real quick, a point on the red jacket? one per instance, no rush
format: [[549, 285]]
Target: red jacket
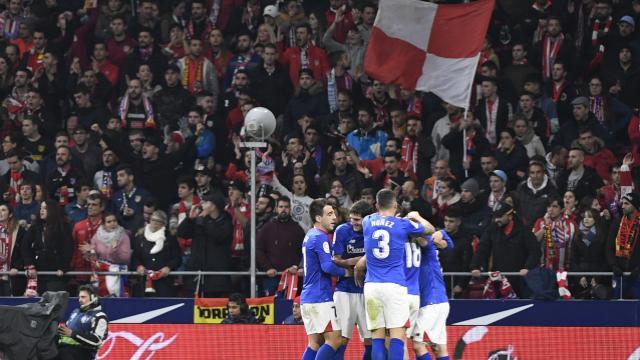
[[342, 28], [318, 63], [82, 233], [111, 72]]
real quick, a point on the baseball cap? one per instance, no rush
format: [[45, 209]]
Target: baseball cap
[[502, 209], [270, 10], [629, 20], [501, 174]]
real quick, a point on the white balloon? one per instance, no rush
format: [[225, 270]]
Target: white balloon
[[259, 123]]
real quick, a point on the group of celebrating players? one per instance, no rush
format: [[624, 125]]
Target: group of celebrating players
[[403, 282]]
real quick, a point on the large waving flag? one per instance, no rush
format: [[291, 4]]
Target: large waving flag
[[429, 47]]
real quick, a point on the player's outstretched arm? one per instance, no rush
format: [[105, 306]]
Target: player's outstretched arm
[[428, 227]]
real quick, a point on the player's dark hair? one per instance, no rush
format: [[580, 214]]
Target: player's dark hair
[[385, 199], [361, 208], [316, 208]]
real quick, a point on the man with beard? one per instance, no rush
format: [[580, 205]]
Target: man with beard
[[82, 233], [278, 246], [128, 202], [105, 179], [60, 182], [623, 251], [533, 194], [512, 247], [305, 56], [553, 47], [198, 73], [173, 101], [244, 58], [198, 26], [136, 110], [417, 151], [145, 53], [474, 206], [265, 205]]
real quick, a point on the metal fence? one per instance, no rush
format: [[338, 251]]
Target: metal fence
[[450, 275]]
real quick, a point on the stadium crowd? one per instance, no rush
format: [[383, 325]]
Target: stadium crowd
[[122, 122]]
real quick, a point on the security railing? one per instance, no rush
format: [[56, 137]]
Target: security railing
[[450, 275]]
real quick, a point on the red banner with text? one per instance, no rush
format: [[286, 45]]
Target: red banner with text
[[139, 341]]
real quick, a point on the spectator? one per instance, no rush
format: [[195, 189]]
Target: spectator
[[457, 259], [197, 71], [278, 245], [147, 52], [368, 141], [582, 117], [18, 174], [26, 209], [296, 316], [119, 44], [448, 195], [105, 178], [588, 251], [128, 201], [392, 176], [493, 112], [520, 67], [623, 254], [577, 177], [512, 156], [272, 86], [61, 180], [465, 135], [238, 311], [526, 136], [555, 162], [562, 92], [211, 229], [85, 150], [243, 58], [155, 255], [309, 99], [609, 112], [353, 45], [597, 156], [498, 185], [300, 200], [173, 100], [77, 209], [533, 85], [488, 163], [35, 145], [555, 233], [442, 128], [534, 116], [48, 246], [554, 47], [533, 194], [417, 151], [352, 179], [305, 56], [110, 249], [11, 259], [512, 247], [474, 205]]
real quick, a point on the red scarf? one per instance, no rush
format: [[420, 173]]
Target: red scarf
[[409, 159], [5, 250], [550, 54], [192, 74], [627, 237], [557, 90], [14, 186]]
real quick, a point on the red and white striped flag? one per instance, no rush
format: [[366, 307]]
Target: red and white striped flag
[[429, 47]]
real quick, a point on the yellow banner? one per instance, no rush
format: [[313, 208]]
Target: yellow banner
[[213, 311]]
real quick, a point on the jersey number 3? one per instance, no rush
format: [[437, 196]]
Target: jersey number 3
[[383, 237]]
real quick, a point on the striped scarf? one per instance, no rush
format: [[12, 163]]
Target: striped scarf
[[551, 50], [148, 110], [627, 237], [557, 240], [596, 106], [5, 250]]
